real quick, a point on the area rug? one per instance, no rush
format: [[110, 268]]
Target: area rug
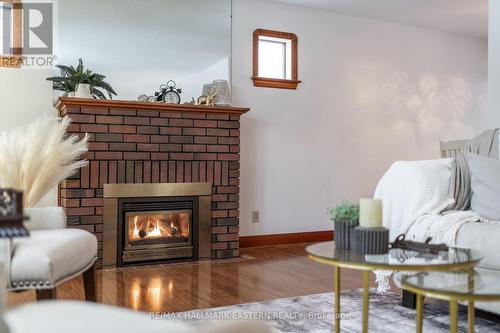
[[314, 314]]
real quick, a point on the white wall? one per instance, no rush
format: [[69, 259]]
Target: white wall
[[494, 62], [139, 45], [372, 93]]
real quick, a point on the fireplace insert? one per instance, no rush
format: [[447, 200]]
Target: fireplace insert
[[157, 229]]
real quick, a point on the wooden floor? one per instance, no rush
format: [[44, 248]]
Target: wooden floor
[[260, 274]]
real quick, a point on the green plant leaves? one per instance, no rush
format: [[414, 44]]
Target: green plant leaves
[[71, 77], [345, 211]]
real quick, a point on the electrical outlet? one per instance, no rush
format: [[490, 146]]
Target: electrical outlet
[[255, 216]]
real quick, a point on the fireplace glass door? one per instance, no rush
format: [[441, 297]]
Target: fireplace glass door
[[163, 228]]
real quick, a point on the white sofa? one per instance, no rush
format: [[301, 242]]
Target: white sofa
[[84, 317], [51, 255]]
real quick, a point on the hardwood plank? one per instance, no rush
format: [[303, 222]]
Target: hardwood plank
[[261, 273]]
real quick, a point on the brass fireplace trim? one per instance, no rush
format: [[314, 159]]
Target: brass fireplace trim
[[112, 192]]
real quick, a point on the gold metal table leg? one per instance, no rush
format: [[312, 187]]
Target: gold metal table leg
[[337, 299], [420, 313], [471, 316], [366, 302], [453, 316]]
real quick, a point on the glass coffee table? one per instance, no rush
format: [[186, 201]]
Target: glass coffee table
[[396, 260], [453, 287]]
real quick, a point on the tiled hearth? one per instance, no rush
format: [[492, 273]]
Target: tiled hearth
[[133, 142]]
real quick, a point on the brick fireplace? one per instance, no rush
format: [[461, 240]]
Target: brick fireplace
[[149, 143]]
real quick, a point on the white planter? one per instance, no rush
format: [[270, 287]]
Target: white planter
[[71, 94], [83, 91]]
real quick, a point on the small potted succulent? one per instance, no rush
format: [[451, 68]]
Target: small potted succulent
[[346, 218]]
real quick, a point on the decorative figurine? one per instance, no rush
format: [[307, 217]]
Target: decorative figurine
[[206, 100]]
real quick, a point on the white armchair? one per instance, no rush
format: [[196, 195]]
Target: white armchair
[[51, 255]]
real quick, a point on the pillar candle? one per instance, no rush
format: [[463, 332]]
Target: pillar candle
[[370, 213]]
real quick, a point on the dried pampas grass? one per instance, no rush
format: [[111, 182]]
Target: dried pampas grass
[[38, 157]]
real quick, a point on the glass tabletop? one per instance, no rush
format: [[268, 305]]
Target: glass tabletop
[[395, 259], [461, 285]]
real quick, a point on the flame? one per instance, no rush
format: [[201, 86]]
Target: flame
[[135, 235], [156, 232]]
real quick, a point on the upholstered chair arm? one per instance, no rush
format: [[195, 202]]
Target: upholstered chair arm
[[45, 218]]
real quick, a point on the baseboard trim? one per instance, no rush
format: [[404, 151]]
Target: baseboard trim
[[281, 239]]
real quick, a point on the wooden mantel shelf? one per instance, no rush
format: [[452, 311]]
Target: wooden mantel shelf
[[65, 102]]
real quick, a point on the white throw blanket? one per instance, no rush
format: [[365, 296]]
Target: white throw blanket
[[443, 228]]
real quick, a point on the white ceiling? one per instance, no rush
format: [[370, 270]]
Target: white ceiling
[[468, 17]]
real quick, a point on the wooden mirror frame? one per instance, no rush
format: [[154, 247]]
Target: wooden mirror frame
[[15, 60], [270, 82]]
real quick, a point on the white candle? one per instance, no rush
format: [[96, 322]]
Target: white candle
[[370, 213]]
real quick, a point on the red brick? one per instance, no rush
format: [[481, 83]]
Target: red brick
[[194, 131], [219, 213], [171, 147], [109, 119], [181, 122], [217, 173], [219, 197], [93, 128], [85, 176], [205, 123], [170, 114], [234, 149], [80, 211], [227, 205], [170, 130], [228, 189], [228, 157], [171, 171], [205, 140], [234, 182], [94, 174], [181, 139], [91, 202], [148, 147], [138, 172], [181, 156], [73, 128], [187, 172], [103, 173], [83, 118], [155, 172], [107, 137], [70, 183], [217, 132], [147, 172], [229, 141], [123, 112], [217, 116], [205, 156], [210, 172], [234, 213], [233, 229], [227, 237], [235, 117], [219, 246], [147, 113], [194, 148], [159, 139], [228, 124], [159, 121], [87, 156], [136, 121], [136, 156], [129, 171], [76, 193], [122, 129], [112, 172], [159, 156], [148, 130], [98, 210], [123, 146], [179, 172], [108, 155], [193, 115], [94, 110], [98, 146], [164, 172], [217, 149], [135, 138], [70, 203], [234, 132]]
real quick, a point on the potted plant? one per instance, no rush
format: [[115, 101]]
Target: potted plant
[[81, 81], [346, 218]]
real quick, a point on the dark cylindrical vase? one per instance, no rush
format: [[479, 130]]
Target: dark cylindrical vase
[[370, 240], [343, 233]]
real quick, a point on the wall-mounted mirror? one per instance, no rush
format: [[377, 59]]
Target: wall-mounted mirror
[[139, 45]]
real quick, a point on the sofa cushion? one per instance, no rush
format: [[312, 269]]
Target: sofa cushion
[[84, 317], [51, 256], [485, 186], [45, 218], [483, 237]]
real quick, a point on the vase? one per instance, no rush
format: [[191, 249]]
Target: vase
[[343, 233], [223, 96], [207, 89], [83, 91]]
